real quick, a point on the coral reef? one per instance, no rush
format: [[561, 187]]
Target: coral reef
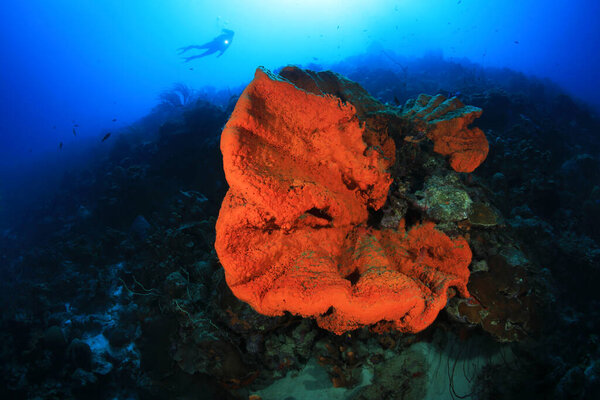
[[483, 215], [112, 289], [444, 200], [293, 231]]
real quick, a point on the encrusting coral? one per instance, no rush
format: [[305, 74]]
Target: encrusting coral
[[293, 232], [503, 302]]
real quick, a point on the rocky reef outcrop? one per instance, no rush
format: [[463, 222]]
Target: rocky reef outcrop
[[118, 291]]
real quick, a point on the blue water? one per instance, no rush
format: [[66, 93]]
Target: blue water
[[70, 62]]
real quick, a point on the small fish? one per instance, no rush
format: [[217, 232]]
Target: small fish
[[53, 126], [396, 101], [114, 120], [516, 42], [523, 117], [315, 59], [192, 194], [459, 1], [338, 27], [191, 68], [60, 146], [76, 125], [74, 132], [106, 136]]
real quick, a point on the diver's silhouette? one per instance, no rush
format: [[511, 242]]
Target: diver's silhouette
[[220, 43]]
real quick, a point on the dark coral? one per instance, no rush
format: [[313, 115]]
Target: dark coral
[[502, 302]]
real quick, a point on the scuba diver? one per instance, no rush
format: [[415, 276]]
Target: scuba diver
[[220, 43]]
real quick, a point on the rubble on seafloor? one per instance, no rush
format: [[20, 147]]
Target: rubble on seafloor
[[127, 297]]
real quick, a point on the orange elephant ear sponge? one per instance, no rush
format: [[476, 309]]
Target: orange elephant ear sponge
[[446, 123], [292, 233]]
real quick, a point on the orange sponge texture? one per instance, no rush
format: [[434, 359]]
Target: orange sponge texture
[[292, 233]]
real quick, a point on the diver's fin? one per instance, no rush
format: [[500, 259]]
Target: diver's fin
[[182, 50], [188, 59]]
